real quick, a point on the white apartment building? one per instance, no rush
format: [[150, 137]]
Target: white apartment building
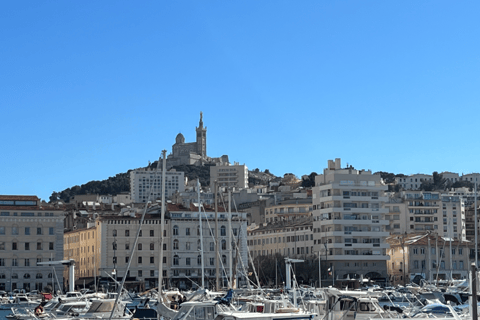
[[451, 176], [412, 182], [349, 221], [453, 217], [30, 232], [229, 176], [397, 215], [423, 211], [146, 184]]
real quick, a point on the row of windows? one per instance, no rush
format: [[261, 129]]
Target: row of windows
[[27, 231], [285, 239], [27, 214], [15, 262], [27, 246], [26, 276]]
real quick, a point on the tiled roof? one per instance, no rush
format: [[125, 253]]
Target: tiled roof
[[25, 198]]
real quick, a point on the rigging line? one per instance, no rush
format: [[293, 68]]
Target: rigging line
[[135, 244], [215, 242]]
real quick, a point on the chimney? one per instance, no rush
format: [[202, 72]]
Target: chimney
[[338, 165], [331, 165]]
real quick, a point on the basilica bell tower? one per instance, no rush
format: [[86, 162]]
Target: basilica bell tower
[[201, 137]]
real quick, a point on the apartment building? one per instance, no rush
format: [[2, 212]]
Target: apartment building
[[185, 245], [289, 238], [146, 184], [349, 221], [412, 182], [229, 176], [112, 238], [83, 246], [396, 215], [423, 211], [31, 231], [426, 256], [289, 210]]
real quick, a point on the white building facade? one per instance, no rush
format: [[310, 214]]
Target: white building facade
[[349, 222], [229, 176], [146, 184]]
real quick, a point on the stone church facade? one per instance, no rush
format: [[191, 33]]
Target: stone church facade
[[192, 153]]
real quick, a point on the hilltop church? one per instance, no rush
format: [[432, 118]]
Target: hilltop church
[[192, 153]]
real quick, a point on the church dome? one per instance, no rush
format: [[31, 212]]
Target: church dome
[[180, 138]]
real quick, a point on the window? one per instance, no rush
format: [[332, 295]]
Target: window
[[140, 273], [152, 259], [187, 261], [14, 262], [175, 244], [114, 245], [187, 231], [50, 246], [212, 246], [2, 230], [224, 245], [152, 246], [175, 230], [2, 262], [175, 260], [27, 231], [39, 246], [26, 276], [39, 276], [14, 246], [187, 246], [14, 230], [50, 231], [140, 260], [127, 246], [140, 246], [27, 263], [114, 233], [212, 261], [140, 233], [2, 245], [224, 259], [27, 245], [152, 273], [199, 260], [127, 233], [127, 259], [223, 231], [39, 231], [152, 233], [15, 276]]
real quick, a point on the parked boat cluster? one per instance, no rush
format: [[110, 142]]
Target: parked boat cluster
[[414, 301]]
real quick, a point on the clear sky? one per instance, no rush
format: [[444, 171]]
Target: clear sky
[[89, 89]]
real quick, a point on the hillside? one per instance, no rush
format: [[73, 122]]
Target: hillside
[[121, 182]]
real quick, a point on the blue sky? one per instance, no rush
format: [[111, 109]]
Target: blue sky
[[89, 89]]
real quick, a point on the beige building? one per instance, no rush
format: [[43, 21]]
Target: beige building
[[31, 231], [427, 255], [229, 176], [111, 236], [288, 238], [289, 210], [83, 246], [396, 215], [349, 221]]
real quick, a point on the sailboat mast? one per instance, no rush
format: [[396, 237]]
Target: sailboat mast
[[230, 262], [162, 222], [217, 247], [201, 234]]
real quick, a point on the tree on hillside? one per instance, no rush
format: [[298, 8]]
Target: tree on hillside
[[437, 183], [310, 181]]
